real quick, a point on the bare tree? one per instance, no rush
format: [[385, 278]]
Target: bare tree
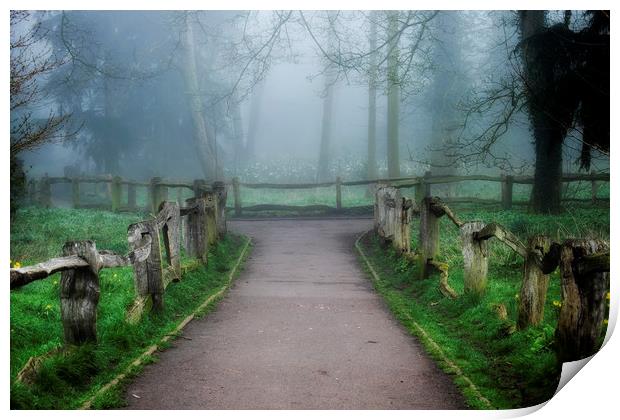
[[31, 60], [557, 76], [398, 60]]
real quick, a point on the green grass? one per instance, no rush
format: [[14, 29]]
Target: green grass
[[510, 370], [67, 380]]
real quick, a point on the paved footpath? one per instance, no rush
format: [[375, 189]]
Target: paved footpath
[[301, 328]]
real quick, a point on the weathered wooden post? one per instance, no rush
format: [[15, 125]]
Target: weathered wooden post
[[584, 268], [149, 197], [384, 215], [338, 193], [236, 196], [379, 207], [535, 283], [392, 217], [199, 188], [106, 185], [169, 218], [148, 274], [32, 192], [507, 183], [196, 242], [475, 259], [131, 196], [405, 211], [180, 196], [153, 194], [211, 217], [75, 192], [46, 192], [429, 237], [159, 193], [219, 189], [116, 193], [476, 252], [423, 189], [594, 190], [79, 295]]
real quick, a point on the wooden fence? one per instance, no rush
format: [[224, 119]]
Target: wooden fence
[[583, 264], [202, 223], [157, 190]]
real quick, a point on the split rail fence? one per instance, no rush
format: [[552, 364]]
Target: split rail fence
[[157, 190], [583, 264], [201, 224]]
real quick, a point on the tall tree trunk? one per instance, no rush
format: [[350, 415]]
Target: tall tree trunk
[[238, 135], [372, 100], [547, 189], [255, 107], [326, 126], [393, 108], [548, 132], [323, 167], [205, 145]]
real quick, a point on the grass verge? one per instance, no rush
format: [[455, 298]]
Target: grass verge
[[466, 337], [67, 381]]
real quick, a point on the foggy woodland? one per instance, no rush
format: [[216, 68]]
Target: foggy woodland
[[292, 96]]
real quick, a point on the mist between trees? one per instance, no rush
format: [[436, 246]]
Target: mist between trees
[[292, 96]]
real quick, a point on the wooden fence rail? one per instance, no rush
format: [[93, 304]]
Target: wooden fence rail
[[157, 189], [583, 264], [204, 224]]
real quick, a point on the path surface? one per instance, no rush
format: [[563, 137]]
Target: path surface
[[302, 328]]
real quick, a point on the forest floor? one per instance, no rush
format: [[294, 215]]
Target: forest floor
[[67, 380]]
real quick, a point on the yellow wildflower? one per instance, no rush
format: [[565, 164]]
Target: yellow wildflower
[[605, 321], [607, 296], [557, 304], [17, 264]]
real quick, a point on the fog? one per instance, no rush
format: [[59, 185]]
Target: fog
[[187, 95]]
